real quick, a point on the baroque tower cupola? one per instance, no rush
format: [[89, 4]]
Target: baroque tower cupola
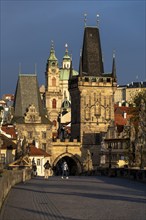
[[66, 59], [52, 60]]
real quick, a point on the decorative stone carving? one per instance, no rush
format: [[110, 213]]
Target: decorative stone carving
[[32, 115]]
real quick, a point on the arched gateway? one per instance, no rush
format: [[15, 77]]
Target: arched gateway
[[73, 162]]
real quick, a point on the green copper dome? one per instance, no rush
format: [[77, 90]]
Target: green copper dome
[[64, 73]]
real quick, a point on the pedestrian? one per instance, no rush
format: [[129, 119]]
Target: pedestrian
[[64, 170], [47, 167], [34, 169]]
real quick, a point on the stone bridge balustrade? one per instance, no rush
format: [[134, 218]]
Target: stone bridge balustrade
[[9, 178]]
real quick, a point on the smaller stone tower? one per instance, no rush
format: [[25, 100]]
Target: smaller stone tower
[[53, 94]]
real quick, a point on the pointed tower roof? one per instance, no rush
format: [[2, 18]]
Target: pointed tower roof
[[27, 93], [52, 53], [114, 68], [92, 64]]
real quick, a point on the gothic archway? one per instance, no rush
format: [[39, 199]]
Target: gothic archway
[[75, 167]]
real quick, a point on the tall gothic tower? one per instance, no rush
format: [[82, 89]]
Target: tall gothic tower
[[92, 92], [53, 94]]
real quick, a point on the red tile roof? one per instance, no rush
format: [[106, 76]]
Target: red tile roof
[[10, 129], [7, 143], [34, 151], [119, 114]]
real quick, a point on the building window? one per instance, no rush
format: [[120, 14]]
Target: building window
[[54, 103], [54, 123], [53, 81], [30, 134], [44, 146], [43, 134], [2, 158], [38, 162]]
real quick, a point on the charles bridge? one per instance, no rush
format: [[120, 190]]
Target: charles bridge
[[115, 194]]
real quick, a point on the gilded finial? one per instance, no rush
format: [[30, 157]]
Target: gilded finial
[[52, 44], [85, 19], [114, 53], [97, 17], [66, 46]]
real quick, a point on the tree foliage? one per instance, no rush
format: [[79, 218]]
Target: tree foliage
[[136, 110], [138, 97]]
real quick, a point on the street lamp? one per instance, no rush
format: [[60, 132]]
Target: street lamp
[[110, 154], [141, 157]]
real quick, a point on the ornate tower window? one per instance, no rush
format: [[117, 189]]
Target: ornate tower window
[[54, 103]]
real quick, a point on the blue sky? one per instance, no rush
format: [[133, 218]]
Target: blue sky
[[27, 28]]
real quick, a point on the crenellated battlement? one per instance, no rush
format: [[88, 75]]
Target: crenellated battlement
[[93, 81], [97, 81]]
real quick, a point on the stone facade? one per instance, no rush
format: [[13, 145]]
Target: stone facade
[[56, 93], [127, 92], [39, 134], [92, 108]]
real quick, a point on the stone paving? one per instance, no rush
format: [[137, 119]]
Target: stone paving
[[78, 198]]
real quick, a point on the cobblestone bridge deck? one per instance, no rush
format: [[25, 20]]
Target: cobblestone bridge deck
[[78, 198]]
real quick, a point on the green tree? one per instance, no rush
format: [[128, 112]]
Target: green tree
[[138, 120]]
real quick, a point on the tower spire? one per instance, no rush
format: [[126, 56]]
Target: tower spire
[[52, 45], [52, 52], [114, 67], [66, 59], [66, 50]]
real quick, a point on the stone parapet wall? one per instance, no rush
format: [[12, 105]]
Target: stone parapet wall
[[9, 178]]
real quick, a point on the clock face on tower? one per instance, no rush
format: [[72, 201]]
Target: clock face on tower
[[53, 70]]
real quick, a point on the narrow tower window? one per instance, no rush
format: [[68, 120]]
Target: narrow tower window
[[54, 103], [53, 81], [54, 123]]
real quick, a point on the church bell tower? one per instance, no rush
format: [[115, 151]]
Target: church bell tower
[[53, 95]]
